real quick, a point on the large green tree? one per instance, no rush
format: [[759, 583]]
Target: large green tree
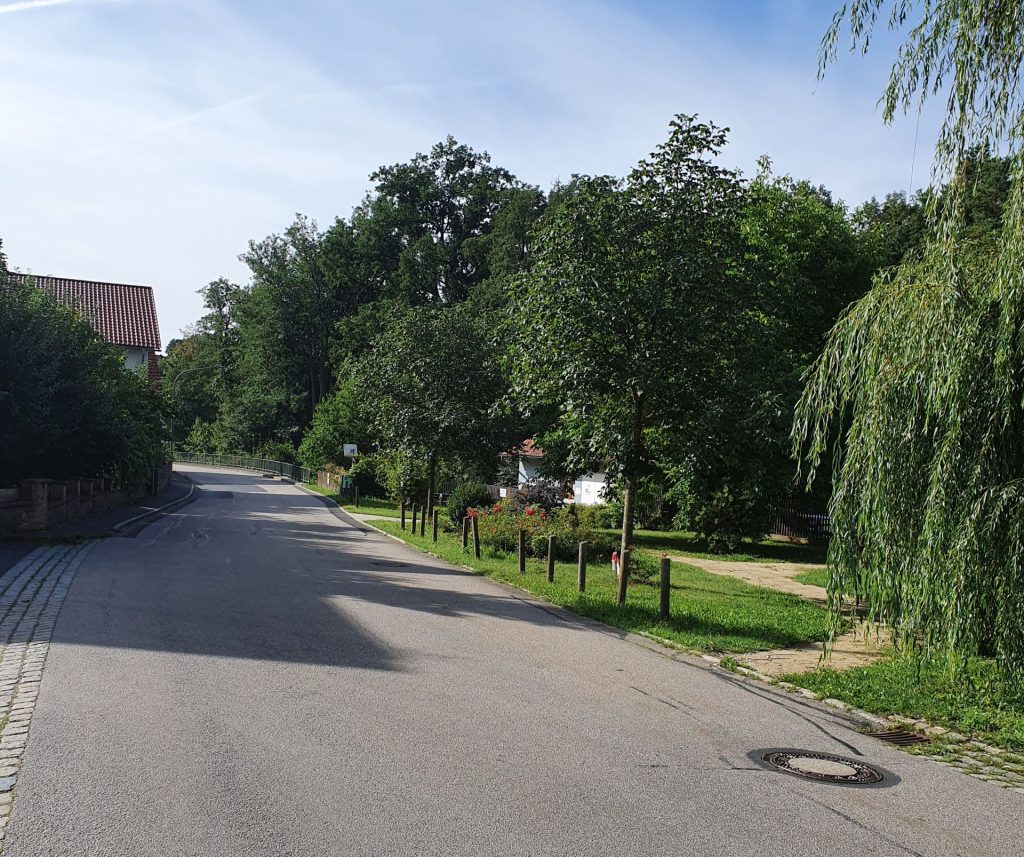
[[919, 392], [430, 385], [804, 263], [628, 310]]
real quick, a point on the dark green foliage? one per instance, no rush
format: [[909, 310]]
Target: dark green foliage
[[631, 303], [469, 495], [68, 408]]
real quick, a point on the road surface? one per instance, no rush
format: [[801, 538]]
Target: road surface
[[253, 675]]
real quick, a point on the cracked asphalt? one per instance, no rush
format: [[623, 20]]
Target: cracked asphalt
[[256, 674]]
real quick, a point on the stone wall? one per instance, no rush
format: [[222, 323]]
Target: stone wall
[[44, 503]]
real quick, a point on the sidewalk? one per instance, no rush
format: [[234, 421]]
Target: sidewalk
[[177, 490]]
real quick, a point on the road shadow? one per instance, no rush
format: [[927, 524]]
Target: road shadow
[[249, 570]]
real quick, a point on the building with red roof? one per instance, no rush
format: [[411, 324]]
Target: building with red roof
[[124, 315]]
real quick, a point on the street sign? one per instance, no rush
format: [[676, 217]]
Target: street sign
[[349, 450]]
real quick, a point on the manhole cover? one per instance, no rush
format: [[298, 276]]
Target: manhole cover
[[823, 767]]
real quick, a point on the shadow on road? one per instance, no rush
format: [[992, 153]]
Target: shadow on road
[[254, 570]]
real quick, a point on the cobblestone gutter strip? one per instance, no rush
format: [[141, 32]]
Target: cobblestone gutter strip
[[31, 595]]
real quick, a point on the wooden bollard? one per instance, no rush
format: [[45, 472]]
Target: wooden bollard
[[414, 510], [476, 537], [403, 513], [620, 598], [522, 551], [355, 494], [465, 532], [666, 584], [423, 520], [581, 569], [551, 559], [433, 526]]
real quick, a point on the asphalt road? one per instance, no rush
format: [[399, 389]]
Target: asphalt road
[[252, 675]]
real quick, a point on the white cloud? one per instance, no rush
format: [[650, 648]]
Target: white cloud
[[147, 141], [31, 4]]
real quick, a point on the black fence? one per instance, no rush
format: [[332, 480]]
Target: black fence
[[798, 516]]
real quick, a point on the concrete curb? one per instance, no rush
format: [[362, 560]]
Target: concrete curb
[[117, 528]]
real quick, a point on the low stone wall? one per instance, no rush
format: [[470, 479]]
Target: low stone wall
[[44, 503]]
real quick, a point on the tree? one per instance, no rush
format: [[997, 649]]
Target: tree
[[628, 309], [918, 393], [428, 222], [68, 408], [430, 384]]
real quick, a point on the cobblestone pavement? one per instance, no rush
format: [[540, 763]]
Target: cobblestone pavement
[[31, 594]]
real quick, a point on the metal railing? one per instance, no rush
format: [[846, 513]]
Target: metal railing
[[247, 462]]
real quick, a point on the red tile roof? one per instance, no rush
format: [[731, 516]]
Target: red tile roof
[[122, 314]]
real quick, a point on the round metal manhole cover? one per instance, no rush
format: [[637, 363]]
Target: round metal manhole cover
[[823, 767]]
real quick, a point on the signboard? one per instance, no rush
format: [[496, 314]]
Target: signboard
[[349, 450]]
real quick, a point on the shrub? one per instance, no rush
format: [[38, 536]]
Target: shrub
[[469, 495]]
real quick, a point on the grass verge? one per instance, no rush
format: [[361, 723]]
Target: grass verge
[[979, 706], [708, 612], [367, 505]]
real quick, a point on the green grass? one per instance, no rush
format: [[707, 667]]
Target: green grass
[[980, 706], [367, 505], [814, 577], [708, 612], [690, 544]]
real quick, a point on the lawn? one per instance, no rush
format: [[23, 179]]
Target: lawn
[[707, 612], [367, 505], [814, 577], [980, 707], [690, 544]]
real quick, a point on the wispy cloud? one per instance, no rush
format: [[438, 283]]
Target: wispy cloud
[[31, 4]]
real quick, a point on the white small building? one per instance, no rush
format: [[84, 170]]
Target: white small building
[[588, 489]]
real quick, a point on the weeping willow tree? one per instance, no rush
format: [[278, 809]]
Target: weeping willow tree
[[917, 402]]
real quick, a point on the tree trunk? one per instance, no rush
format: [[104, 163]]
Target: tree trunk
[[630, 473], [431, 477]]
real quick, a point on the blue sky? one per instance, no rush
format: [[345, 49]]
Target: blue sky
[[146, 141]]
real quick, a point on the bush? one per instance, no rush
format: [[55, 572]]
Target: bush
[[469, 495], [500, 524], [643, 567]]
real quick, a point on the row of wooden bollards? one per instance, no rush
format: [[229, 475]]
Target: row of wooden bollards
[[421, 519], [470, 524]]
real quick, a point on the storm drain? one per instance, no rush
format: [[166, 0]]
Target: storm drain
[[390, 564], [822, 767], [900, 737]]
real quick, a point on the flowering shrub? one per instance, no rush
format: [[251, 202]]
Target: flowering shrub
[[500, 524]]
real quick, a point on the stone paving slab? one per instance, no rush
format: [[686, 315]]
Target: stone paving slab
[[31, 594]]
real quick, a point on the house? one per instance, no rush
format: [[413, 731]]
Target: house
[[587, 489], [122, 314]]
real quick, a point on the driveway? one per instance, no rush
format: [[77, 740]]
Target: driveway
[[254, 674]]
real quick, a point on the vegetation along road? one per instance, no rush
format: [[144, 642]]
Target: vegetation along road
[[258, 673]]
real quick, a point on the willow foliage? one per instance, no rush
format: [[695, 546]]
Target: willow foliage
[[918, 398]]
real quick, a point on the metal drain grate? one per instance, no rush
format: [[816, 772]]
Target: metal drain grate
[[390, 564], [900, 737], [822, 767]]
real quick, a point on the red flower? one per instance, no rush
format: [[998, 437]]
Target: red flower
[[529, 511], [543, 514]]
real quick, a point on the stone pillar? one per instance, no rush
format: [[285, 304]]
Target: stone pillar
[[36, 493]]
